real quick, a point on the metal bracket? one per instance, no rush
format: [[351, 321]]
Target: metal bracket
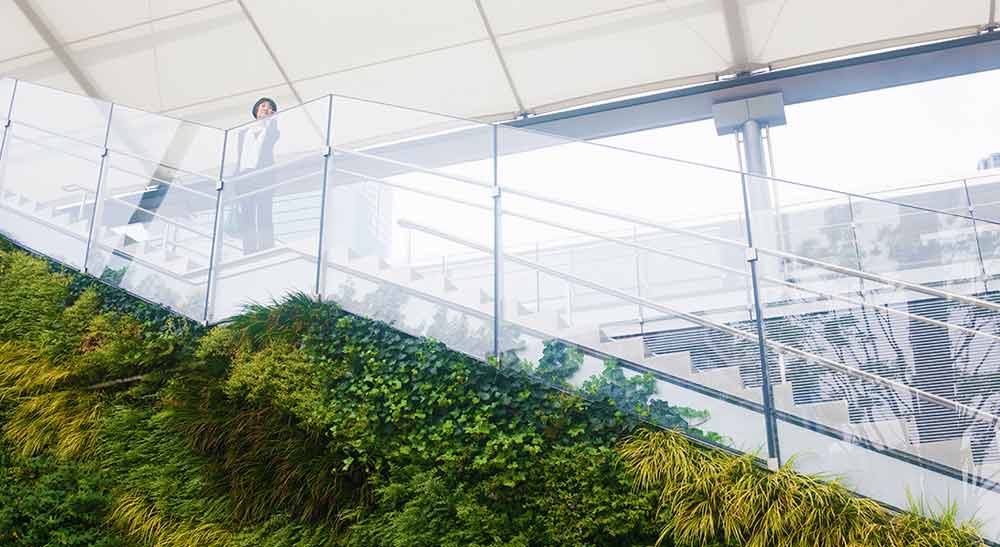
[[772, 464], [751, 254], [219, 185], [104, 152], [328, 151], [495, 193], [6, 123]]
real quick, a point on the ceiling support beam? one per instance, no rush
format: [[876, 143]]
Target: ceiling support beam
[[270, 52], [521, 110], [739, 47], [43, 30]]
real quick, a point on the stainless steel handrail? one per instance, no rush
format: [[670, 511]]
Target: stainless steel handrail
[[829, 363], [415, 167], [160, 163], [780, 254], [670, 254]]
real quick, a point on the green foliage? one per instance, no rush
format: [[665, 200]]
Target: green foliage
[[711, 498], [46, 502], [298, 424]]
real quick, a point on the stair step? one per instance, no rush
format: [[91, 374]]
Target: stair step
[[832, 413], [675, 364], [632, 349], [953, 452]]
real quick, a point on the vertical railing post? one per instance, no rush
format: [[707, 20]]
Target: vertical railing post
[[217, 236], [322, 254], [638, 278], [3, 139], [857, 246], [98, 213], [498, 302], [767, 395], [975, 233]]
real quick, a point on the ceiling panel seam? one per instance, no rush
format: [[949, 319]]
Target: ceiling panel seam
[[120, 29], [770, 32], [521, 110], [43, 30], [270, 52]]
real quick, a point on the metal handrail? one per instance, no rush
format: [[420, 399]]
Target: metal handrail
[[162, 164], [415, 167], [829, 363], [739, 172], [670, 254], [55, 134], [779, 254]]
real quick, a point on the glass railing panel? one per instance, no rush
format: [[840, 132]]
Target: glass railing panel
[[693, 196], [924, 247], [384, 140], [410, 237], [49, 171], [154, 230], [984, 195], [648, 314], [913, 340], [267, 241], [896, 461]]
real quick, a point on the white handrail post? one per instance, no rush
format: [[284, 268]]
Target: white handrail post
[[326, 208], [3, 139], [98, 213], [217, 236], [975, 233]]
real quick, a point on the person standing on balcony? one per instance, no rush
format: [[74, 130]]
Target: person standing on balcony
[[255, 189]]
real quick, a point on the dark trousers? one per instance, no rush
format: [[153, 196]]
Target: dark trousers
[[256, 221]]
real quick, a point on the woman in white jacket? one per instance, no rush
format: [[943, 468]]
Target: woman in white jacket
[[255, 190]]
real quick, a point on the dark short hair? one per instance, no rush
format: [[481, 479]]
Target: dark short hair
[[256, 105]]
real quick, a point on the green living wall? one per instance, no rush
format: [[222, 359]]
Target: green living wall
[[299, 424]]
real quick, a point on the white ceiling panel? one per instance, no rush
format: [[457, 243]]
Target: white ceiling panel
[[312, 38], [614, 52], [132, 53], [209, 55], [428, 82], [805, 27], [17, 36], [79, 19], [234, 110], [204, 57], [508, 16]]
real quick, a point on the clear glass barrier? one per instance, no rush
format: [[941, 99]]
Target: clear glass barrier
[[268, 241], [971, 484], [154, 232], [984, 197], [49, 171], [591, 297], [927, 241], [624, 181], [411, 223]]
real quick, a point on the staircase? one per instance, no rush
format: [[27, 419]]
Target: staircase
[[888, 376]]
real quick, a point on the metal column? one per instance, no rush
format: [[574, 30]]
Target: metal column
[[98, 213], [325, 209]]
